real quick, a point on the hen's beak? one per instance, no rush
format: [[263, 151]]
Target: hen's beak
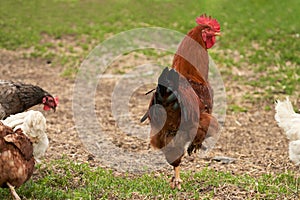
[[218, 34], [54, 108]]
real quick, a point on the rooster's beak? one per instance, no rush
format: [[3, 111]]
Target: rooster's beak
[[218, 34]]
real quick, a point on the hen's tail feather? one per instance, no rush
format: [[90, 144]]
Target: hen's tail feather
[[14, 120], [284, 110], [14, 124]]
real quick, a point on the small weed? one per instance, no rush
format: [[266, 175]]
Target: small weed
[[237, 108]]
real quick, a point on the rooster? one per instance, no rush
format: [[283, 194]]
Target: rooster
[[23, 141], [18, 97], [180, 109], [289, 121]]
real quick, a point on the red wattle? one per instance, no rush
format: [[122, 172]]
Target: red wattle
[[46, 108]]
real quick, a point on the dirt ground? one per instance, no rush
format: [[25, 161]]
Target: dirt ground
[[252, 138]]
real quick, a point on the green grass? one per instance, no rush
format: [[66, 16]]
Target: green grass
[[64, 179], [265, 33], [236, 108]]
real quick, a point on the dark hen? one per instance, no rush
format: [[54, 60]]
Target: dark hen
[[18, 97]]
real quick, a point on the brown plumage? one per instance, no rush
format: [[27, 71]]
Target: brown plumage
[[18, 97], [16, 158], [180, 109]]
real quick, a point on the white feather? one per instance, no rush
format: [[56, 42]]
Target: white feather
[[289, 121], [33, 124], [294, 151]]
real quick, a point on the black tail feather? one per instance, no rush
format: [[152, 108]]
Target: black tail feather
[[144, 117], [166, 91], [167, 81]]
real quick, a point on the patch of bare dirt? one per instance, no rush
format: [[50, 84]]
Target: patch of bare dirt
[[252, 138]]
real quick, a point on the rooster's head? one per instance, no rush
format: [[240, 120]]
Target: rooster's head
[[210, 29]]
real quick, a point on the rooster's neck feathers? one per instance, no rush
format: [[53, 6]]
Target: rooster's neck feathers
[[195, 34], [191, 59]]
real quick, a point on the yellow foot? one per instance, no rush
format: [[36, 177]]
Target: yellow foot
[[13, 192], [175, 183]]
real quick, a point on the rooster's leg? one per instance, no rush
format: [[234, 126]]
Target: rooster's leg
[[13, 191], [175, 181]]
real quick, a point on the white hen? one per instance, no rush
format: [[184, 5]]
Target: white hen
[[33, 124], [289, 120]]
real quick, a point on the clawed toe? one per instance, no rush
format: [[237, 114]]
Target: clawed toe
[[175, 183]]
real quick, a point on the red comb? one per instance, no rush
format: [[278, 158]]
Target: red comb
[[207, 20], [56, 100]]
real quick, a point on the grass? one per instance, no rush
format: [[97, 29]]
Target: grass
[[64, 179], [265, 35]]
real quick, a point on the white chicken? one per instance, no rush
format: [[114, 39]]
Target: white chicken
[[289, 121], [33, 124]]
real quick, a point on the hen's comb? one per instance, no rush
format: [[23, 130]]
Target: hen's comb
[[208, 21], [56, 100]]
